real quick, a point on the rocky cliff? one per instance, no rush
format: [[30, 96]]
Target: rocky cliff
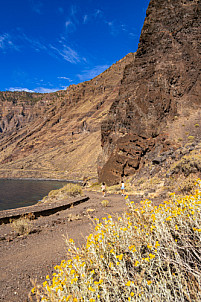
[[159, 97], [138, 117], [57, 135]]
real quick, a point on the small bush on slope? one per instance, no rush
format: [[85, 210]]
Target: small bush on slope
[[22, 226], [151, 253], [69, 190]]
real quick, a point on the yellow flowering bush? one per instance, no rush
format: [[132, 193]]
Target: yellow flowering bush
[[150, 253]]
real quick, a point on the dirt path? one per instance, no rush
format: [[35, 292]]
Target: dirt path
[[34, 256]]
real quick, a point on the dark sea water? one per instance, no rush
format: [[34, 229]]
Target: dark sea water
[[22, 193]]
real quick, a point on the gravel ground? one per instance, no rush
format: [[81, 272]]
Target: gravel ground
[[34, 256]]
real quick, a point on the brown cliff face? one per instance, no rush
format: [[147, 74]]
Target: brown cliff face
[[163, 82], [57, 135]]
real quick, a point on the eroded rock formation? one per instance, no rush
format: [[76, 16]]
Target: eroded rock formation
[[163, 82]]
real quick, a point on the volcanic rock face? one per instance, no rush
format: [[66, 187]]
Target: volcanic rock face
[[163, 82], [57, 135], [144, 105]]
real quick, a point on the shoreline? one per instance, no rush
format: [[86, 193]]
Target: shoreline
[[34, 202], [41, 179], [40, 209]]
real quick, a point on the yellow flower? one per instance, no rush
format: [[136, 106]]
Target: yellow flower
[[119, 257], [33, 290], [91, 289], [126, 197], [151, 256], [132, 247], [136, 263], [157, 244], [132, 294], [149, 282], [128, 283]]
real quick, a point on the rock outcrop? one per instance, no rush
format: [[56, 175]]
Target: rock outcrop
[[139, 111], [57, 135], [159, 93]]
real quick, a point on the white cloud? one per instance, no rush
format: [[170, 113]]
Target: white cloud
[[6, 42], [65, 78], [132, 35], [98, 12], [38, 89], [33, 43], [85, 19], [45, 90], [67, 53], [3, 39], [64, 87], [59, 50], [114, 29], [73, 10], [92, 73], [20, 89], [72, 21], [68, 23]]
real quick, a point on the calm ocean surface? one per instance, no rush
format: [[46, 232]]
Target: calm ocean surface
[[22, 193]]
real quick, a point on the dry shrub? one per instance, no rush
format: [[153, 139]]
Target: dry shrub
[[73, 217], [117, 188], [150, 253], [69, 190], [104, 203], [21, 226], [188, 164]]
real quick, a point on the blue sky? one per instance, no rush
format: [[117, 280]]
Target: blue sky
[[47, 45]]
